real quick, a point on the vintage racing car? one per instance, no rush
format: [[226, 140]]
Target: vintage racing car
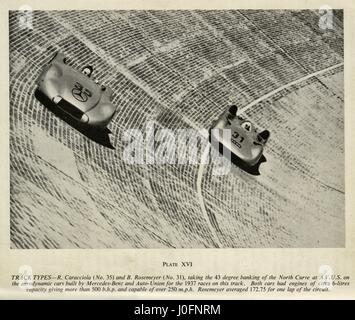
[[75, 93], [246, 144]]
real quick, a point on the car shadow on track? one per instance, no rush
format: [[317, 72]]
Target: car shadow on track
[[100, 136], [253, 170]]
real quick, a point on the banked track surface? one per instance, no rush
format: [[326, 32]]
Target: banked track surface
[[181, 69]]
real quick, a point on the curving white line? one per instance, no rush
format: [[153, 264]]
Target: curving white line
[[271, 93], [204, 156], [200, 197]]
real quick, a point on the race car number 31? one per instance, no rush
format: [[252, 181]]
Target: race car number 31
[[237, 139]]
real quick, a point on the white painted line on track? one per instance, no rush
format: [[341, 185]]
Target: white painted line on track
[[271, 93]]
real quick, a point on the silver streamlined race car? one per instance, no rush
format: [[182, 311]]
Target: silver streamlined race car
[[76, 93], [246, 144]]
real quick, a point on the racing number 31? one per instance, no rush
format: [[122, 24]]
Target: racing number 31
[[235, 136]]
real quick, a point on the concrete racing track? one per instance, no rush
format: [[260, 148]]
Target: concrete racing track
[[181, 69]]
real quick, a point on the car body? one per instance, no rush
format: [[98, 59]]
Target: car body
[[246, 143], [75, 93]]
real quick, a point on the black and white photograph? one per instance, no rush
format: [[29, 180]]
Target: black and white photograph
[[176, 129]]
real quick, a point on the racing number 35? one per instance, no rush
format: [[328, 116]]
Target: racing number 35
[[80, 93]]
